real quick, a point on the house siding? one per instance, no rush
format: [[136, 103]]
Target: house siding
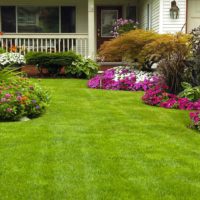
[[143, 14], [173, 25], [154, 14]]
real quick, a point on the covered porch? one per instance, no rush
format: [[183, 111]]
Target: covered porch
[[58, 26], [83, 25]]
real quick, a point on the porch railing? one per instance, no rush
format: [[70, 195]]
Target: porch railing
[[24, 43]]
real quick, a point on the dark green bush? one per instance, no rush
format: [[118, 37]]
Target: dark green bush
[[52, 61]]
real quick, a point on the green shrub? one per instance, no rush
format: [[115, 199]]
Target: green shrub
[[192, 93], [82, 68], [19, 97], [2, 50], [52, 61]]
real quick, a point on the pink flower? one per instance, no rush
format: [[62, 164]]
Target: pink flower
[[7, 96], [9, 110], [19, 98], [3, 100]]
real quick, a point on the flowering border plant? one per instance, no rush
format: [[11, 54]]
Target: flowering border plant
[[157, 96], [123, 78], [11, 59], [195, 118], [19, 97]]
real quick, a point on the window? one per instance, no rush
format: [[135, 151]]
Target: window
[[8, 19], [38, 19], [68, 19], [132, 13], [34, 19]]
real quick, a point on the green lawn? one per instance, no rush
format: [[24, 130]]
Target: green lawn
[[99, 145]]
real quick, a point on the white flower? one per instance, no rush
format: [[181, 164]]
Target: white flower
[[11, 58]]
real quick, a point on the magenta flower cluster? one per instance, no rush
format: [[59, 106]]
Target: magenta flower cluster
[[123, 26], [157, 96], [195, 118], [122, 79]]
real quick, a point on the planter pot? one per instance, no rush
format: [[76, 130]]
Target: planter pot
[[32, 70]]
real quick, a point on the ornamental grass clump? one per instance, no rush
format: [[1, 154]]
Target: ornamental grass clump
[[20, 97]]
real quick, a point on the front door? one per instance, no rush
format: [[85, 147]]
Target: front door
[[193, 14], [106, 16]]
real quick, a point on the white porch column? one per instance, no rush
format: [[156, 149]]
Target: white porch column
[[91, 29]]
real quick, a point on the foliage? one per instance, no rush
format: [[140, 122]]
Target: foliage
[[7, 74], [11, 59], [192, 72], [195, 41], [192, 93], [82, 68], [52, 61], [123, 78], [123, 26], [172, 66], [195, 120], [127, 46], [2, 50], [145, 46], [19, 97], [167, 47]]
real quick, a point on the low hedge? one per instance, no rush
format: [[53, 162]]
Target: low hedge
[[52, 61], [75, 65]]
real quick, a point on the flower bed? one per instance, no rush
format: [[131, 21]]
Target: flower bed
[[195, 118], [13, 59], [123, 78], [126, 78], [157, 96], [19, 97]]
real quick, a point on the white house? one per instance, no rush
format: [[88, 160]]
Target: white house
[[83, 25]]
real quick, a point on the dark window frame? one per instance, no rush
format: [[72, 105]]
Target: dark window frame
[[60, 22]]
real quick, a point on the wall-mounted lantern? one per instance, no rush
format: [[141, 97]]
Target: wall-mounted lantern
[[174, 10]]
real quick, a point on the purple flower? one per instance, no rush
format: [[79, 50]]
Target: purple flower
[[33, 101], [37, 107]]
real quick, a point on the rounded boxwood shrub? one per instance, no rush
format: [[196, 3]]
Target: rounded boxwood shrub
[[20, 97]]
